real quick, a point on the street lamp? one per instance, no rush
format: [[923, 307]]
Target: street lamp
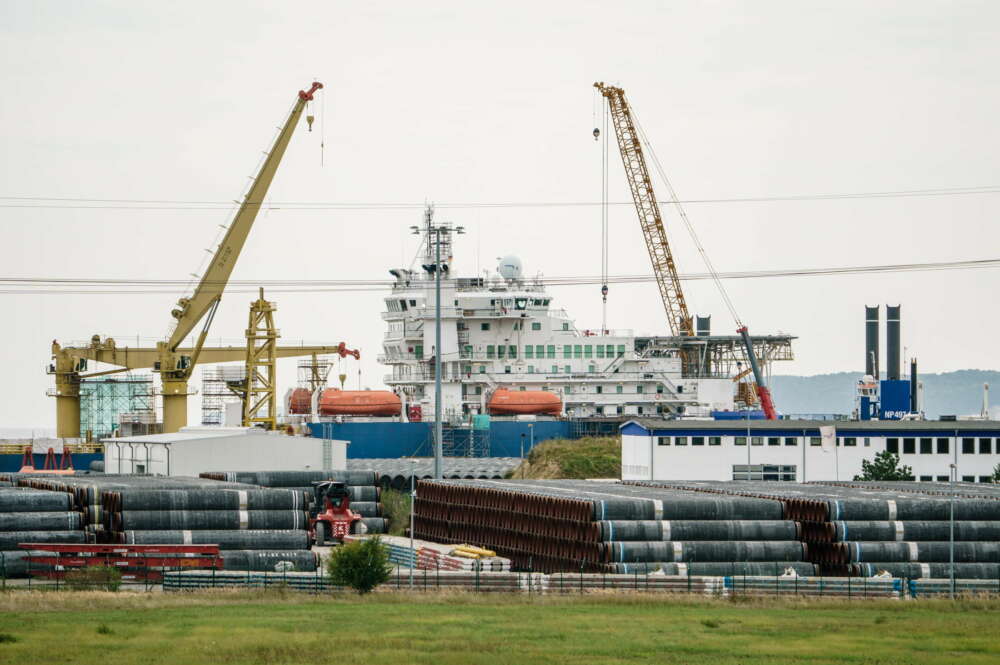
[[437, 232], [413, 498], [951, 529]]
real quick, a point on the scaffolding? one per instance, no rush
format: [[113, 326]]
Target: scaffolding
[[216, 392], [106, 403], [313, 372]]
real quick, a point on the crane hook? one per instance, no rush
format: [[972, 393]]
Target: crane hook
[[309, 120], [597, 133]]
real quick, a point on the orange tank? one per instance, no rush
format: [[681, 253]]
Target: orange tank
[[300, 401], [335, 402], [505, 402]]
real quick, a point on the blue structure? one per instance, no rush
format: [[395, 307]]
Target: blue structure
[[81, 461], [395, 439], [894, 399]]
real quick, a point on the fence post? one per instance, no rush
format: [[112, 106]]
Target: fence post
[[58, 559], [581, 576], [689, 578]]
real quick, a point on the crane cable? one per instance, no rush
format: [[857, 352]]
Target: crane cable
[[675, 200]]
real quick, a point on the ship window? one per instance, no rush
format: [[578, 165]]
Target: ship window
[[490, 351], [942, 446], [555, 369], [599, 389], [715, 440], [522, 388], [621, 349], [418, 351], [535, 325], [567, 351], [639, 410], [462, 325], [756, 441], [577, 351], [529, 351], [468, 350], [531, 369], [791, 441], [588, 351], [663, 440], [565, 326], [501, 348], [569, 389], [569, 369], [609, 350], [638, 389], [968, 446], [592, 368], [479, 390], [506, 369], [600, 410], [818, 441], [909, 446], [697, 441], [892, 446], [618, 389], [545, 302], [740, 441], [484, 326], [402, 305], [773, 441], [467, 369], [680, 440], [539, 351], [659, 389], [413, 303], [984, 446], [551, 351], [619, 410], [600, 350], [482, 369], [512, 352], [926, 446]]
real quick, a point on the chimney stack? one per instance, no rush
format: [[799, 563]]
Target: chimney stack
[[892, 348], [871, 341]]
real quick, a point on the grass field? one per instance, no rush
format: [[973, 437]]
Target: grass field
[[82, 628]]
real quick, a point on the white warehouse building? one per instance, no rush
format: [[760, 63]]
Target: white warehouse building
[[793, 450], [195, 450]]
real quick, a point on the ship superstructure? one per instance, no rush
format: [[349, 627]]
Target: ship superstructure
[[503, 330]]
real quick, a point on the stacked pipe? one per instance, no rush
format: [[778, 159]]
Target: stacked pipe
[[398, 473], [904, 529], [34, 516], [362, 485], [557, 525]]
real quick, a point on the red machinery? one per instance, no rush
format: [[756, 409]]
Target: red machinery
[[331, 515], [137, 562]]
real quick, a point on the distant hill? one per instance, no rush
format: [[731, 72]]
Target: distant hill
[[951, 393]]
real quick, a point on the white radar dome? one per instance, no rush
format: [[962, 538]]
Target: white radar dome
[[510, 267]]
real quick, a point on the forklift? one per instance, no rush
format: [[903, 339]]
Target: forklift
[[331, 517]]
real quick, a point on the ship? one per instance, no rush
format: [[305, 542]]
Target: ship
[[510, 356]]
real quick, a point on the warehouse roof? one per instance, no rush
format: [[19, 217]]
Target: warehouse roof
[[650, 424]]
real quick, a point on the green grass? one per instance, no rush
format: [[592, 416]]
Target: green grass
[[588, 457], [462, 628]]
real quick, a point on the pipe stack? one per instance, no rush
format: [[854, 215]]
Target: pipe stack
[[864, 528], [556, 525], [398, 473], [34, 516]]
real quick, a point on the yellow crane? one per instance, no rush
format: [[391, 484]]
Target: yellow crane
[[175, 363], [650, 219]]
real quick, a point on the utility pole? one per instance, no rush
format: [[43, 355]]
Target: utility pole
[[438, 455]]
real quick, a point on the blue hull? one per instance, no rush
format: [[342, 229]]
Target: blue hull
[[81, 461]]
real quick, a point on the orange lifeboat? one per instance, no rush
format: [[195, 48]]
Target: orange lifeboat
[[300, 401], [336, 402], [505, 402]]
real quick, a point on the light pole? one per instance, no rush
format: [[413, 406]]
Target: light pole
[[413, 498], [951, 530], [437, 232]]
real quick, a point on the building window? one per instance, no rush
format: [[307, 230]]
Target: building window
[[663, 440], [638, 389], [986, 479], [618, 389], [697, 441], [774, 440], [926, 446], [868, 442], [926, 479], [850, 441], [484, 326], [984, 446], [764, 472], [791, 441], [942, 446], [815, 441], [968, 446], [968, 479], [756, 441], [680, 440], [740, 441], [909, 446], [715, 440], [535, 325], [942, 479]]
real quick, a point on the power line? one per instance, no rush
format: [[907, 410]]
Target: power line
[[79, 203], [89, 286]]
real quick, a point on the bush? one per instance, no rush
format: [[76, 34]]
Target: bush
[[97, 578], [885, 466], [396, 509], [361, 565]]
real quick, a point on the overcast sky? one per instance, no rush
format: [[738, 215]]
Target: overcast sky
[[457, 102]]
